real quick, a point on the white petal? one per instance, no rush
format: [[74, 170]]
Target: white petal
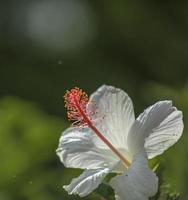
[[114, 113], [77, 150], [157, 128], [138, 183], [165, 135], [86, 182]]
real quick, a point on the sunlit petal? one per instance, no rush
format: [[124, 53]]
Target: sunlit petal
[[165, 135], [138, 183], [157, 128], [114, 114], [88, 181], [77, 150]]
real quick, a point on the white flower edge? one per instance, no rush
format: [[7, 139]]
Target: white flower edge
[[156, 129], [139, 182], [116, 109], [88, 181], [77, 150]]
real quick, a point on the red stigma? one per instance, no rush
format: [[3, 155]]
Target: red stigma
[[76, 101]]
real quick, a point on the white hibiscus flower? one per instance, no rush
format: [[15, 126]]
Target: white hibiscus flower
[[108, 138]]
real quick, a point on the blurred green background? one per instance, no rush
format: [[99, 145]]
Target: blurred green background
[[49, 46]]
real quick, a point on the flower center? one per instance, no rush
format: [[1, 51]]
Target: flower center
[[76, 102]]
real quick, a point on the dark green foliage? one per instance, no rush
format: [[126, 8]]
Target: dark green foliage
[[105, 191], [28, 141], [165, 192]]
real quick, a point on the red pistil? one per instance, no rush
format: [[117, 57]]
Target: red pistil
[[73, 99], [76, 102]]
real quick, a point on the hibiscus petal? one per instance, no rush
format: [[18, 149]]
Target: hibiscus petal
[[156, 129], [88, 181], [138, 182], [77, 150], [114, 113], [165, 135]]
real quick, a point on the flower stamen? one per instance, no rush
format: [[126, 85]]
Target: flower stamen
[[76, 102]]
